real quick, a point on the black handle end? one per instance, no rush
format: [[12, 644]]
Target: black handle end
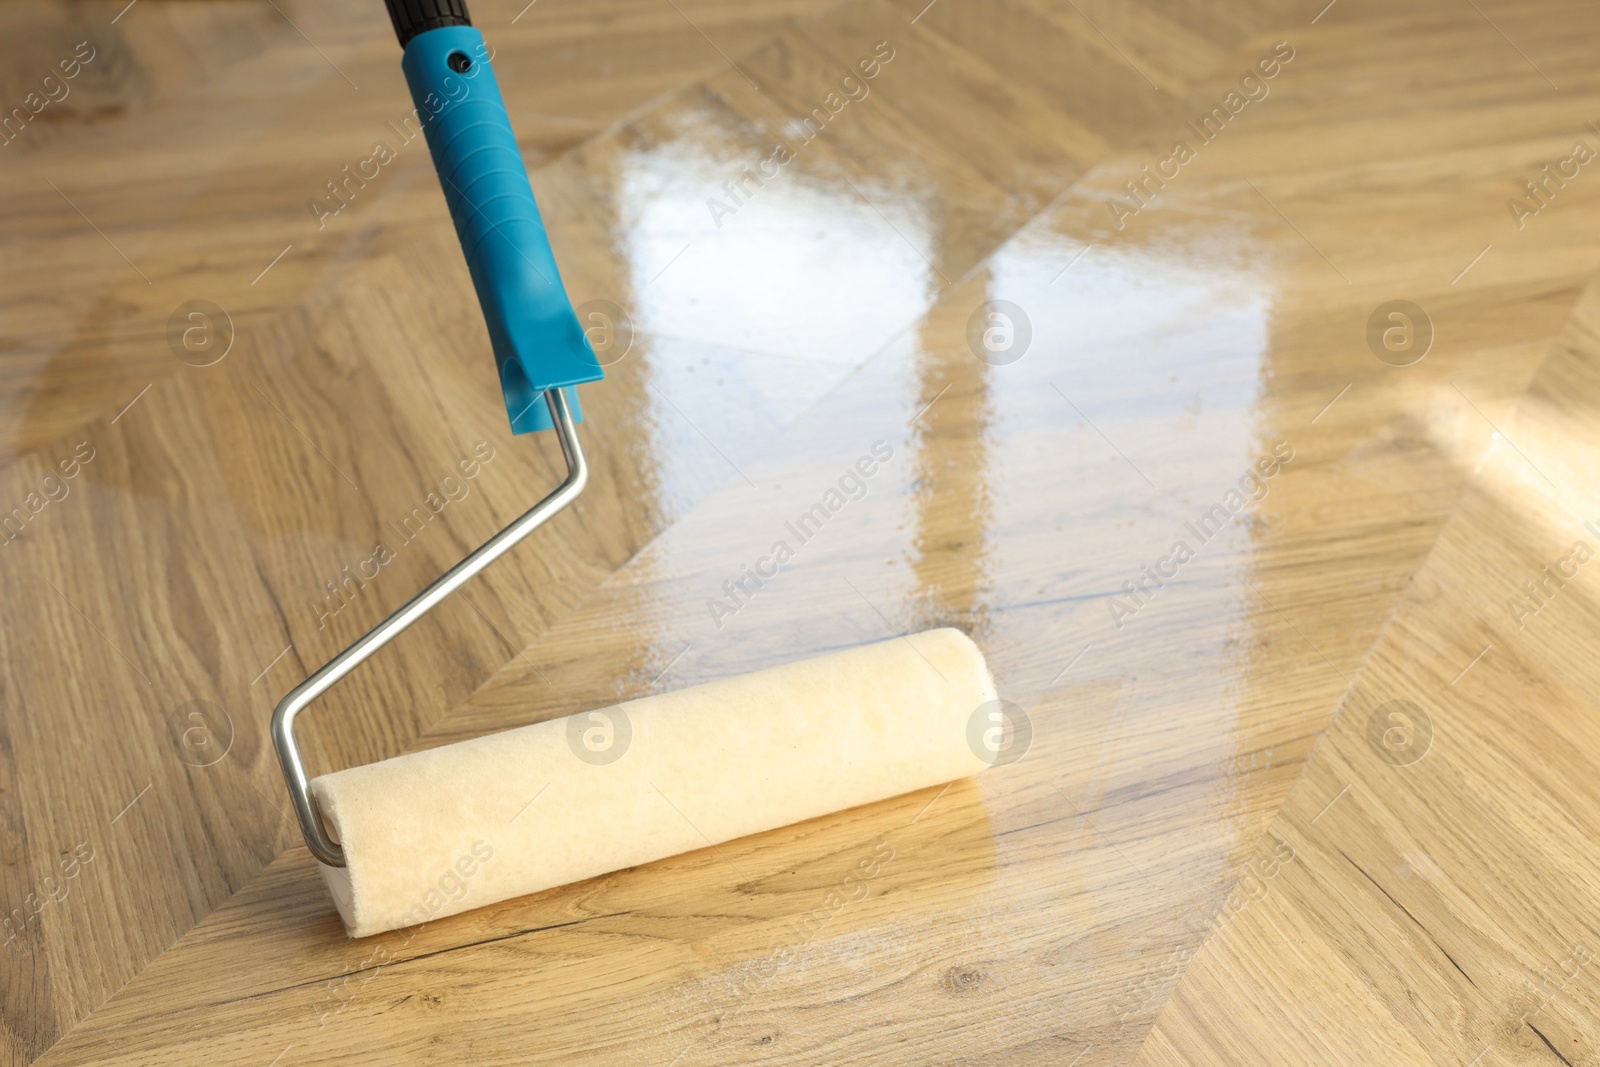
[[411, 17]]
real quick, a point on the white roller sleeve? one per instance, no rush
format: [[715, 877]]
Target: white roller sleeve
[[443, 831]]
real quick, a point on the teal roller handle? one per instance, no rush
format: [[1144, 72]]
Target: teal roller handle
[[538, 341]]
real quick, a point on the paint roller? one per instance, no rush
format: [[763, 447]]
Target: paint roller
[[438, 832]]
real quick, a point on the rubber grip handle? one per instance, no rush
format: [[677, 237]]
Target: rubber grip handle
[[538, 342]]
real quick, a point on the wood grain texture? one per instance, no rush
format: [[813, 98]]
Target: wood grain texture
[[1439, 886], [272, 105], [1039, 914]]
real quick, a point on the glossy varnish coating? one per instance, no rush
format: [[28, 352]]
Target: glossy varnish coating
[[1042, 913]]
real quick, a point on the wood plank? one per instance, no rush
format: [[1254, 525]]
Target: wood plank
[[246, 140], [1152, 775], [1439, 889], [1039, 914]]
